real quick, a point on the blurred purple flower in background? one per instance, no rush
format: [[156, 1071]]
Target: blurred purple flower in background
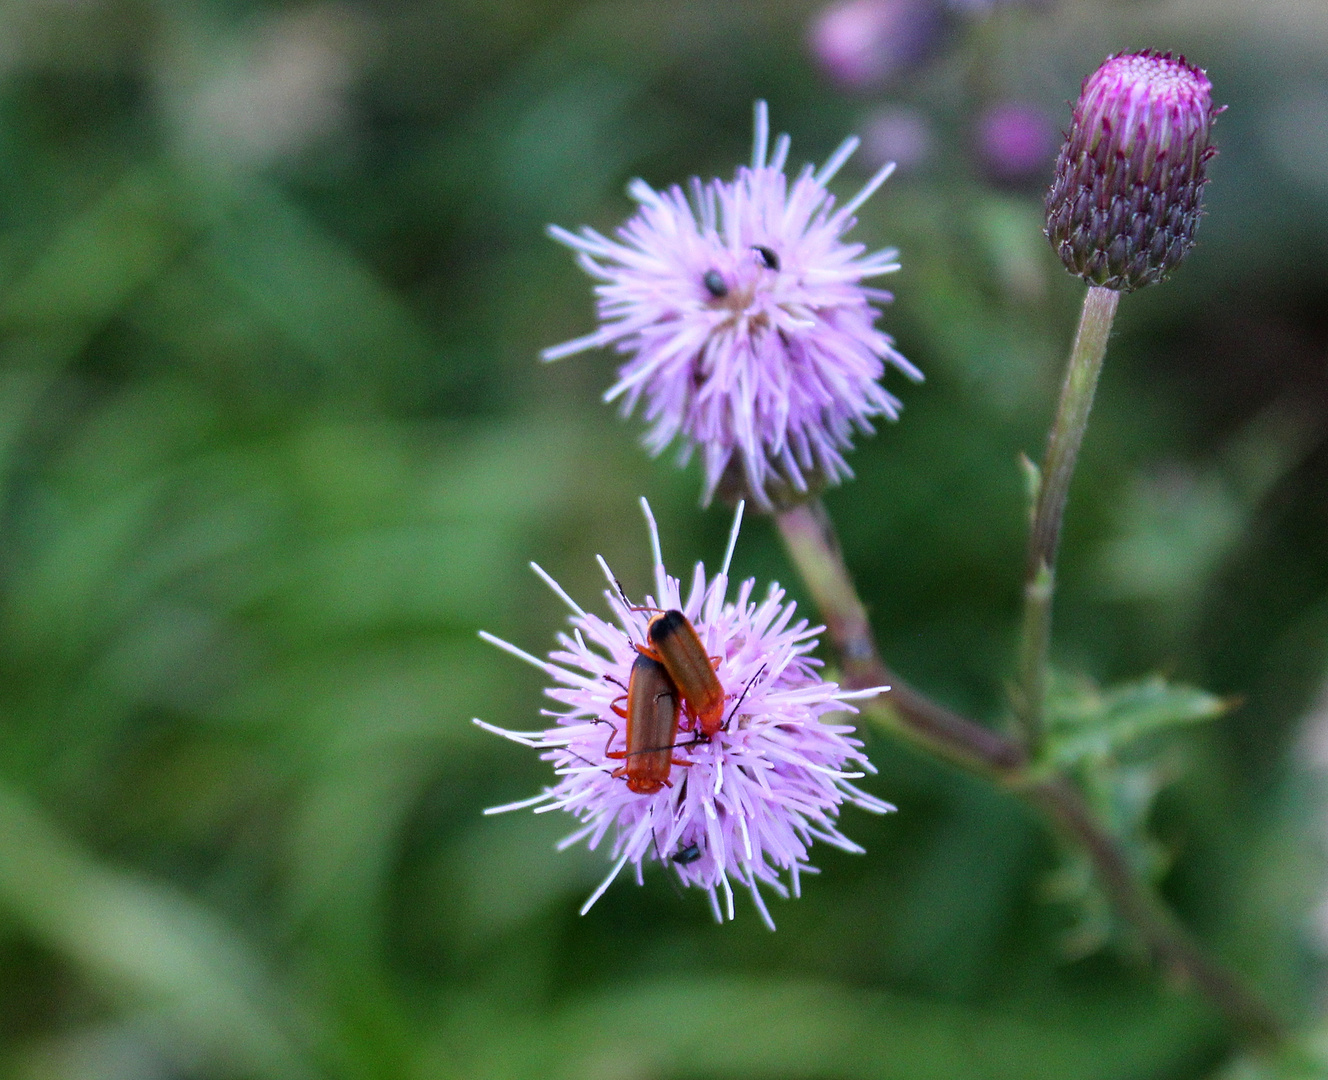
[[1015, 142], [864, 43], [749, 330], [897, 133], [754, 798], [980, 8]]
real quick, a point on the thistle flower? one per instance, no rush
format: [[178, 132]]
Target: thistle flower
[[749, 329], [748, 804], [1125, 203]]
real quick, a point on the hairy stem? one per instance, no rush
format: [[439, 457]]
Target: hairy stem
[[1063, 440], [810, 538]]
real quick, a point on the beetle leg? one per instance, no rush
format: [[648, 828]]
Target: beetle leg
[[613, 734]]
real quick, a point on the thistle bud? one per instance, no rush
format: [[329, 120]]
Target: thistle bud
[[1124, 205]]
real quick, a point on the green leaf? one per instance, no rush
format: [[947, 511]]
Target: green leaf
[[788, 1027], [1085, 722], [1305, 1057], [150, 948], [1095, 734]]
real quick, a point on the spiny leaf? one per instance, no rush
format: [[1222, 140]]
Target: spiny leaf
[[1093, 733], [1086, 722]]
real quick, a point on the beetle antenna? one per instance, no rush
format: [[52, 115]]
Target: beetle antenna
[[630, 606], [587, 760], [622, 594], [654, 839], [743, 696]]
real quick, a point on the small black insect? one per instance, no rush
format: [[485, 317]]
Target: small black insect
[[768, 258], [714, 283], [686, 855]]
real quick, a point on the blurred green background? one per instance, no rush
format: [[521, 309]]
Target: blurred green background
[[275, 444]]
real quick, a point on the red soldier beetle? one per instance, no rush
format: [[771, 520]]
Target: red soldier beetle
[[672, 640], [653, 706]]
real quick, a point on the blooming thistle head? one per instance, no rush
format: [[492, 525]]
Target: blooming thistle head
[[1125, 202], [749, 802], [749, 331]]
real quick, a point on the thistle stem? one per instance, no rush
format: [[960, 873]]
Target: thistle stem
[[809, 535], [1171, 944], [1063, 441], [813, 546]]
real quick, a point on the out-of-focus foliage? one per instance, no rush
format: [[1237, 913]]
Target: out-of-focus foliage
[[1107, 741], [274, 445]]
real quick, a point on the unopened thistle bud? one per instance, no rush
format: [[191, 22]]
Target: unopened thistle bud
[[1124, 205]]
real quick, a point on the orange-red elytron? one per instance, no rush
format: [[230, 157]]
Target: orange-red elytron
[[673, 641], [653, 705]]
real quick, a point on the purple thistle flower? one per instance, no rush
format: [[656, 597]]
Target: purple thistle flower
[[754, 798], [749, 330]]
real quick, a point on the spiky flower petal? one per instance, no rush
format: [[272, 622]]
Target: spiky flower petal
[[1125, 203], [749, 803], [750, 332]]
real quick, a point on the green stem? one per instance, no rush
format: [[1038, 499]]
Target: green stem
[[809, 535], [1063, 441], [1170, 943], [810, 538]]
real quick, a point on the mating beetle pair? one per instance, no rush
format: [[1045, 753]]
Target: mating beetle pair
[[671, 675]]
